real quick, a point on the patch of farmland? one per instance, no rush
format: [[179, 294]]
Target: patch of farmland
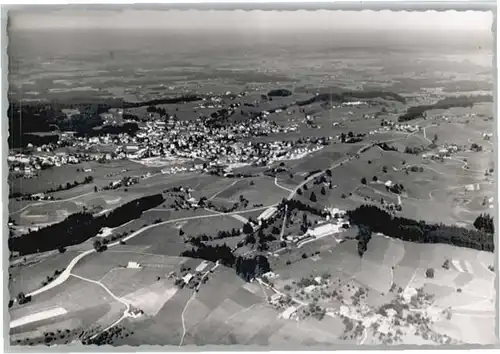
[[195, 313], [222, 281], [437, 290], [264, 191], [482, 287], [211, 226], [213, 327], [74, 293], [246, 327], [163, 239], [166, 327], [245, 298], [71, 320], [262, 336], [320, 160], [403, 275], [450, 133], [462, 279], [458, 299], [374, 276], [470, 329]]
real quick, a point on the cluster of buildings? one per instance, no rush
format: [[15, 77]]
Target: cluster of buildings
[[28, 165], [190, 140], [334, 223], [387, 125], [443, 151]]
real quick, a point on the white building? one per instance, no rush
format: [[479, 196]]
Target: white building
[[267, 213], [201, 266], [309, 289], [324, 230], [187, 278], [270, 275], [133, 265], [289, 312]]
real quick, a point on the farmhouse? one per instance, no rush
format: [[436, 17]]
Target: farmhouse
[[388, 184], [134, 313], [408, 293], [133, 265], [267, 214], [275, 298], [270, 275], [324, 230], [309, 289], [289, 312]]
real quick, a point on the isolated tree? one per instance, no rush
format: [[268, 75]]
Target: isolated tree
[[250, 239], [305, 187], [95, 189], [328, 172], [484, 222], [446, 264], [384, 169], [247, 228], [429, 273], [62, 249], [375, 179], [299, 191], [363, 180], [313, 198], [97, 245], [323, 191], [20, 297], [364, 235], [434, 138]]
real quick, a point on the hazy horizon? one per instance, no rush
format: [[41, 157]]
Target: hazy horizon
[[46, 19]]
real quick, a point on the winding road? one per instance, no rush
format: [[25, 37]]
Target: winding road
[[67, 272]]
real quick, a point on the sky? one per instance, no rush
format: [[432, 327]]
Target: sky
[[258, 20]]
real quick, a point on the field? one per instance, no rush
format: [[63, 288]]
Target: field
[[262, 191]]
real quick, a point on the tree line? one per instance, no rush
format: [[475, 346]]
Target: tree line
[[79, 227], [446, 103], [378, 220]]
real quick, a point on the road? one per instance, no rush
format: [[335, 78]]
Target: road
[[282, 233], [222, 190], [67, 272], [236, 216], [280, 186]]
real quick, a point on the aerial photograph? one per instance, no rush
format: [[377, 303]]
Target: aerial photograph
[[282, 179]]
